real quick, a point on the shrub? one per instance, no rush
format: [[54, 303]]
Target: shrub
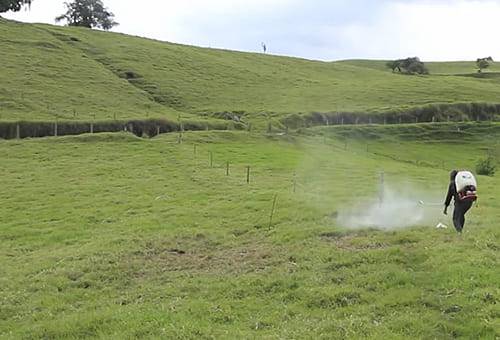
[[486, 166]]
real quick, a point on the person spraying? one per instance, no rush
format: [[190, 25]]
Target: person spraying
[[462, 189]]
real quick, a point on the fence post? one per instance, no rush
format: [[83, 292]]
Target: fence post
[[157, 130], [381, 190], [248, 174], [227, 169], [18, 131], [55, 129], [91, 127], [272, 211], [211, 158]]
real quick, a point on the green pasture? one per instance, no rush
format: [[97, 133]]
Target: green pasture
[[113, 236]]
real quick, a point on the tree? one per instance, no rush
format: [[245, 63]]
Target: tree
[[483, 63], [88, 13], [408, 66], [394, 64], [13, 5]]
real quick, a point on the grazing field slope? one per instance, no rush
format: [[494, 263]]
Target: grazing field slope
[[44, 78], [74, 73]]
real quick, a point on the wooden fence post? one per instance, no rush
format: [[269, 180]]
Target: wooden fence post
[[248, 174], [55, 129], [18, 131], [381, 190], [272, 211]]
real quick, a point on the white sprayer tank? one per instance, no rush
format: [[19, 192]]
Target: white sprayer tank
[[464, 179]]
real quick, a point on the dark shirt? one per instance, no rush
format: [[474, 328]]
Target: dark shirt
[[452, 193]]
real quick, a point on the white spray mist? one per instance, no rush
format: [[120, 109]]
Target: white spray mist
[[401, 207]]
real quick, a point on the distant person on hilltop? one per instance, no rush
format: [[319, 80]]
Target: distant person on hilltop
[[264, 47], [462, 189]]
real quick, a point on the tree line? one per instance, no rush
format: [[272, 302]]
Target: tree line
[[414, 65], [82, 13]]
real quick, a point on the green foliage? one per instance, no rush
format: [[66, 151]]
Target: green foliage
[[88, 13], [394, 65], [483, 63], [486, 166], [13, 5], [408, 66]]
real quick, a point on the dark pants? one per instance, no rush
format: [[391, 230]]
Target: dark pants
[[459, 212]]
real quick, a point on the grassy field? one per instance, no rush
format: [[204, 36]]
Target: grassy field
[[43, 78], [74, 73], [112, 236]]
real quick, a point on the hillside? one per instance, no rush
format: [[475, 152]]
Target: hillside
[[75, 73], [144, 238], [43, 78]]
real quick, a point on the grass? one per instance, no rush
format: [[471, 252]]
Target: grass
[[115, 236], [43, 78], [143, 238], [75, 73]]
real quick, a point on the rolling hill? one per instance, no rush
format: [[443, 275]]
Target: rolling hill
[[75, 73]]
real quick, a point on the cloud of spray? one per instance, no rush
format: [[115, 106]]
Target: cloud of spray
[[399, 207]]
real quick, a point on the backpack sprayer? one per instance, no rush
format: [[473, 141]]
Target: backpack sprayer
[[466, 187]]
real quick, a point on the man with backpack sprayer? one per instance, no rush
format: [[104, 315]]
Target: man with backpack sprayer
[[462, 189]]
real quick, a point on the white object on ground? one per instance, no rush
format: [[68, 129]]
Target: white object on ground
[[463, 179], [429, 204], [441, 226]]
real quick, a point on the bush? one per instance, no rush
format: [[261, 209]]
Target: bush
[[486, 166]]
